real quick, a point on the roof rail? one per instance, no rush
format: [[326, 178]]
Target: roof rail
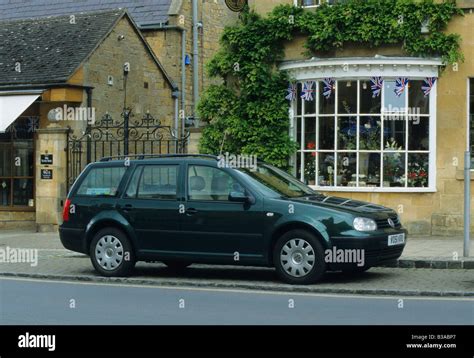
[[151, 156]]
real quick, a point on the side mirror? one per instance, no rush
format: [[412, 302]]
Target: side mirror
[[239, 197]]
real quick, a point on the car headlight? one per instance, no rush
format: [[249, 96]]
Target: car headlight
[[364, 224]]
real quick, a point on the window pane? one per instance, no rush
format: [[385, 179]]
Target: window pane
[[310, 168], [133, 185], [347, 133], [22, 191], [417, 102], [392, 102], [23, 158], [299, 101], [102, 181], [418, 134], [394, 133], [5, 186], [368, 103], [298, 132], [298, 166], [369, 169], [310, 133], [347, 97], [5, 159], [158, 182], [310, 106], [346, 169], [210, 184], [326, 169], [369, 133], [326, 104], [393, 169], [418, 170], [308, 2], [326, 133]]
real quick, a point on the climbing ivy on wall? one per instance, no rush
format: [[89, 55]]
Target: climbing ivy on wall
[[248, 113]]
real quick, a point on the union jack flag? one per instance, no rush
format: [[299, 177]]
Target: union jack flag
[[307, 92], [291, 92], [400, 84], [377, 84], [429, 82], [329, 85]]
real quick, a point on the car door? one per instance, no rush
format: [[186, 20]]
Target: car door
[[213, 226], [150, 204]]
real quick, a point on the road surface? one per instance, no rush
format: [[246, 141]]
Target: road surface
[[42, 302]]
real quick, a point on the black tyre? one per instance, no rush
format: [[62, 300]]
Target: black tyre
[[111, 253], [298, 257], [177, 265]]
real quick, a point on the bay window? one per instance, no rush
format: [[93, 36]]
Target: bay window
[[367, 134]]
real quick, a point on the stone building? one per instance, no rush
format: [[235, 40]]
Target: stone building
[[166, 43], [428, 190], [67, 62]]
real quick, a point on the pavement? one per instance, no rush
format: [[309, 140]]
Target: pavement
[[430, 266], [30, 302]]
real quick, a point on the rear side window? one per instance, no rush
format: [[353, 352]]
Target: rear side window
[[102, 181], [154, 182]]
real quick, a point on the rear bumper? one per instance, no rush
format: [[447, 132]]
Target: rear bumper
[[73, 239], [370, 251]]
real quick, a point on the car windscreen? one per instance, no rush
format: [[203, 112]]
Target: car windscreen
[[275, 182]]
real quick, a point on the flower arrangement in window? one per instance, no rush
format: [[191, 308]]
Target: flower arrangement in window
[[348, 137], [418, 174], [394, 173], [310, 165], [370, 135]]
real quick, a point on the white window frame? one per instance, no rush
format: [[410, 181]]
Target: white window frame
[[308, 6], [358, 69]]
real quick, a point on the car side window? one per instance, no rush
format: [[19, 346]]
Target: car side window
[[211, 184], [157, 182], [132, 188], [103, 181]]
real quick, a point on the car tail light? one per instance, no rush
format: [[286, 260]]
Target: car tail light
[[67, 207]]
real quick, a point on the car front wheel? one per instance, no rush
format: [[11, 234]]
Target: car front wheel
[[111, 253], [298, 257]]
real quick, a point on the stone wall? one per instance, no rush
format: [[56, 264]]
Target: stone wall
[[108, 60], [166, 43]]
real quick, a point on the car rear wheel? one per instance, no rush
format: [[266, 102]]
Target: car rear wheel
[[111, 253], [177, 265], [298, 257]]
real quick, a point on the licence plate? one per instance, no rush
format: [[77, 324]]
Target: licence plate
[[396, 239]]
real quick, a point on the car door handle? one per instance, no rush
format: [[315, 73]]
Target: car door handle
[[191, 211], [127, 207]]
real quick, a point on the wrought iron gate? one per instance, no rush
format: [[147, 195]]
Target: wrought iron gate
[[108, 137]]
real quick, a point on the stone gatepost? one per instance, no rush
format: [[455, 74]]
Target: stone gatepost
[[51, 186]]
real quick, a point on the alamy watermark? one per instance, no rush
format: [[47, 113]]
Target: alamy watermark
[[28, 340], [14, 255], [346, 256], [66, 113], [245, 161], [392, 113]]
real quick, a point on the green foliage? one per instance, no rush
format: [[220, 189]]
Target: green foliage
[[250, 109]]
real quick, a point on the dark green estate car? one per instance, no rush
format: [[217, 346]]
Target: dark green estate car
[[184, 209]]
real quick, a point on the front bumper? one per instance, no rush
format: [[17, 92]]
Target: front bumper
[[374, 248]]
